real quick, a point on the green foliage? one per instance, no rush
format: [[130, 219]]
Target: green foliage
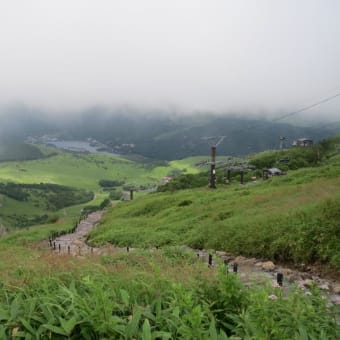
[[297, 157], [145, 301], [14, 191], [115, 195], [30, 235], [105, 203], [187, 181], [287, 317], [108, 183], [58, 195], [44, 197], [88, 209], [184, 203]]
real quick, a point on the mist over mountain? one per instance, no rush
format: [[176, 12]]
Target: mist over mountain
[[160, 135]]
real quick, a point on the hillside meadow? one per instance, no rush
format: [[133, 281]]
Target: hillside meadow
[[77, 171], [292, 218]]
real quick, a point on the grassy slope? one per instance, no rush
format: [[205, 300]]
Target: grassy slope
[[81, 171], [291, 218], [84, 171]]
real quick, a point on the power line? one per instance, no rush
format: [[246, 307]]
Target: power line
[[307, 107]]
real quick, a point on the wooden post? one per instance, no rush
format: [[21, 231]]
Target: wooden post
[[210, 260], [225, 262], [235, 267], [265, 174], [131, 194], [229, 175]]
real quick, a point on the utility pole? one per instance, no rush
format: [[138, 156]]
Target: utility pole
[[213, 168]]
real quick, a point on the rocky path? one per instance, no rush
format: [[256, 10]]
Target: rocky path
[[251, 270], [74, 243], [255, 271]]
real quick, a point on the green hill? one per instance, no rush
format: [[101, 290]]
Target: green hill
[[28, 192], [292, 218]]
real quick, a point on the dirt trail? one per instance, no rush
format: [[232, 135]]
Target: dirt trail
[[251, 270], [74, 243]]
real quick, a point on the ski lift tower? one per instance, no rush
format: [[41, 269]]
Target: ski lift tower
[[282, 142], [212, 183], [212, 180]]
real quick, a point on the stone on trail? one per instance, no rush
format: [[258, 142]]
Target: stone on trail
[[268, 265], [336, 288], [324, 286], [240, 259], [308, 282]]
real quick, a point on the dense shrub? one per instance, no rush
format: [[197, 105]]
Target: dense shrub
[[105, 203], [54, 196], [115, 195], [109, 183], [187, 181]]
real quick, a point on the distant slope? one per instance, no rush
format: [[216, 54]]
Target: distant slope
[[23, 205], [85, 170], [19, 152], [27, 202]]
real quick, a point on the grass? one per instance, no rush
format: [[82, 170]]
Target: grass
[[30, 235], [293, 218], [82, 171], [85, 171], [142, 295]]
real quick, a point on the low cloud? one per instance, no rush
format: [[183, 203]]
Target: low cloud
[[262, 56]]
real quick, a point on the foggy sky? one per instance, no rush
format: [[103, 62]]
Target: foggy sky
[[215, 55]]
